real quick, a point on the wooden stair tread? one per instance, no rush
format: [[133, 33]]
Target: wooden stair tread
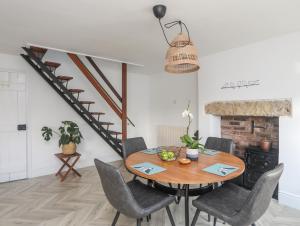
[[52, 64], [76, 90], [97, 113], [64, 77], [86, 102], [114, 132], [38, 49]]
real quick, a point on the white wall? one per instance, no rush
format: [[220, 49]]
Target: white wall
[[170, 95], [152, 101], [45, 107], [276, 63]]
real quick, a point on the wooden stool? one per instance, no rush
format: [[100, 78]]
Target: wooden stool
[[65, 159]]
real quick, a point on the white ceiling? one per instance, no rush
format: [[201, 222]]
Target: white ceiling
[[127, 30]]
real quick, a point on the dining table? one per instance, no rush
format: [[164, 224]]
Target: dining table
[[188, 177]]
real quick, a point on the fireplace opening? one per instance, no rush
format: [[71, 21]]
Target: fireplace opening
[[250, 134], [248, 131]]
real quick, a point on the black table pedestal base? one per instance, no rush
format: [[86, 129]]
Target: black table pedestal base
[[185, 192]]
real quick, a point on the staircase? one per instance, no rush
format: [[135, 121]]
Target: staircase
[[59, 83]]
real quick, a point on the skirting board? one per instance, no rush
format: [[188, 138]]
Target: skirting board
[[289, 199]]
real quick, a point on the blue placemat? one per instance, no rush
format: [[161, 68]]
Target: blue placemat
[[148, 168], [210, 152], [151, 151], [220, 169]]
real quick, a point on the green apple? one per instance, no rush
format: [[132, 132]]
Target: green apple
[[171, 155], [165, 157]]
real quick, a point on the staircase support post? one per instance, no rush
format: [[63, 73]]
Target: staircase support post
[[124, 101]]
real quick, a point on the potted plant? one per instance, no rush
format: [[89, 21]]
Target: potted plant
[[69, 136], [192, 144]]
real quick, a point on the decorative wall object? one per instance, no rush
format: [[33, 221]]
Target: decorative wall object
[[240, 84]]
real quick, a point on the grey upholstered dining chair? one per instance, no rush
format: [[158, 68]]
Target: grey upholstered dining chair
[[236, 205], [219, 144], [133, 199], [132, 145]]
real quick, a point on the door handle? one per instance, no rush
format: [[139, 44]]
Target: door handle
[[21, 127]]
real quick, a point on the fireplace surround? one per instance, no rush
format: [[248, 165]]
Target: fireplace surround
[[247, 123]]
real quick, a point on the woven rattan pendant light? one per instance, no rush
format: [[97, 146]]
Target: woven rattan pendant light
[[182, 55]]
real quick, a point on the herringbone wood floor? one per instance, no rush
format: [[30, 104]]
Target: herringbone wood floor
[[80, 201]]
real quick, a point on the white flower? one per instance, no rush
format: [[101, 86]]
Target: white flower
[[185, 113]]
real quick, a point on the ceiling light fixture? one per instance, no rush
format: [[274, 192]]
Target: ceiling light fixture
[[182, 55]]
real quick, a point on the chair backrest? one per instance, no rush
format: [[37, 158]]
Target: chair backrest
[[219, 144], [116, 190], [260, 196], [133, 145]]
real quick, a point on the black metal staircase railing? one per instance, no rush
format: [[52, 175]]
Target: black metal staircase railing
[[46, 72]]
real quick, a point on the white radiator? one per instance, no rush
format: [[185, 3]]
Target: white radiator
[[170, 135]]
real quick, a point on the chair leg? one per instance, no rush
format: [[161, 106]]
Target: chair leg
[[148, 218], [138, 222], [215, 221], [195, 218], [116, 219], [134, 177], [170, 216], [208, 217], [177, 200], [150, 183]]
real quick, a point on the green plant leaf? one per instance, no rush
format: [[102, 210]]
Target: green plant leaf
[[68, 132], [191, 142], [47, 133], [65, 139]]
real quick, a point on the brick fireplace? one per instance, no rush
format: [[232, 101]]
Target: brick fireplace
[[247, 123], [248, 131]]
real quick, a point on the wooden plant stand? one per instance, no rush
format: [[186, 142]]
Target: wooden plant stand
[[65, 159]]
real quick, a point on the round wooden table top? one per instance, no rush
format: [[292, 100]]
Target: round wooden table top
[[186, 174]]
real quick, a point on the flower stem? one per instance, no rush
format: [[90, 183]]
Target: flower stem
[[190, 120], [188, 127]]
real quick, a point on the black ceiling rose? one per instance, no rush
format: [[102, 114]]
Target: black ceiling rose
[[159, 11]]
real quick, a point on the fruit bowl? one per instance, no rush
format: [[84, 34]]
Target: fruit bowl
[[168, 155]]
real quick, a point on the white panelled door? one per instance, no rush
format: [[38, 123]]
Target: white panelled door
[[13, 141]]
